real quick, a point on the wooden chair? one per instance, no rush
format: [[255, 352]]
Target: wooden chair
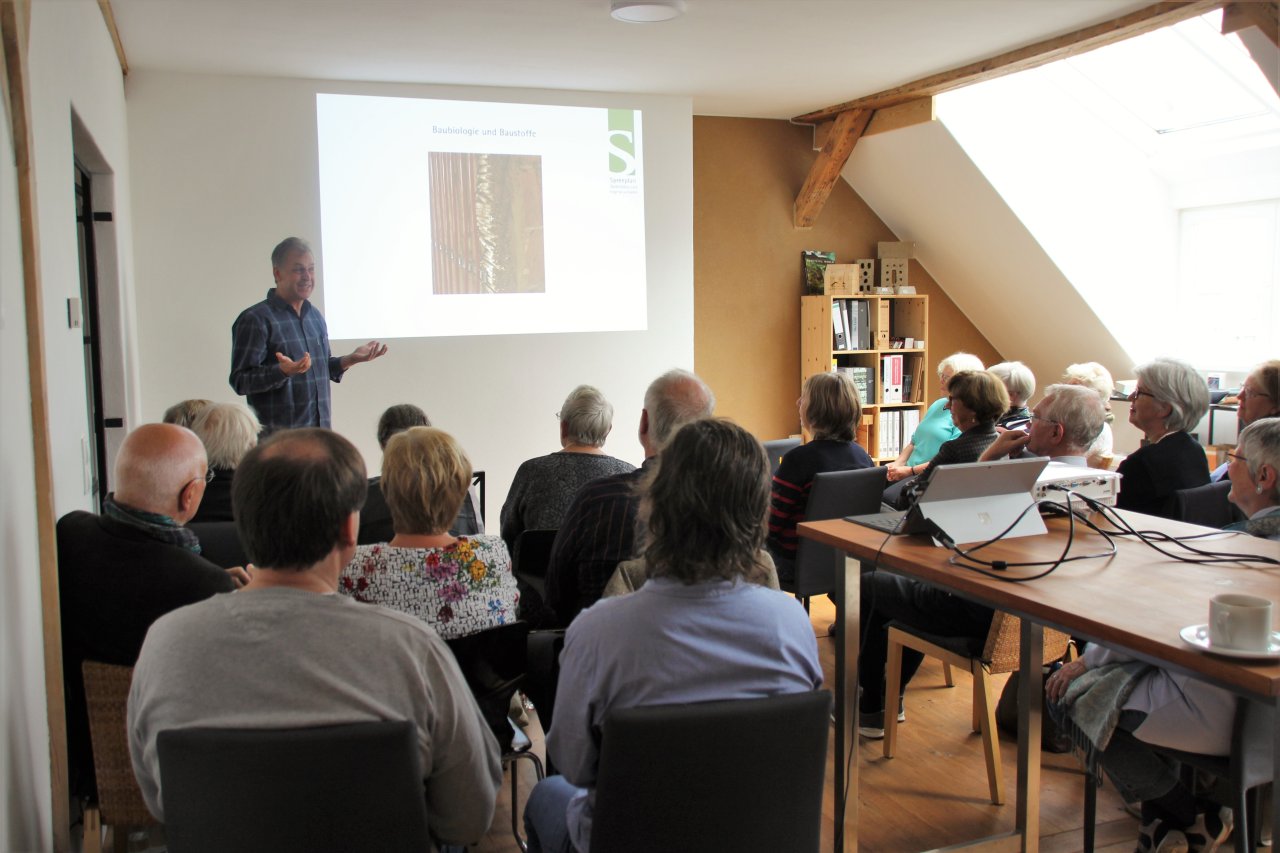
[[834, 494], [982, 658], [669, 776], [493, 662], [120, 806]]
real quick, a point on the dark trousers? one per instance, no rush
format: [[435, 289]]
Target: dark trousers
[[890, 598]]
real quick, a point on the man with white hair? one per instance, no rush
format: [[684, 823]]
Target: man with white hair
[[120, 571], [1063, 426], [598, 531]]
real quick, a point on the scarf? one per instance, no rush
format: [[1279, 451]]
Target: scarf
[[157, 526], [1088, 713]]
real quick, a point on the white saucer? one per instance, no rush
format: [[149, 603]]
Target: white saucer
[[1198, 636]]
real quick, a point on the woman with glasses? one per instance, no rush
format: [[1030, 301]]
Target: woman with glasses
[[1254, 469], [228, 431], [1259, 398], [1170, 399]]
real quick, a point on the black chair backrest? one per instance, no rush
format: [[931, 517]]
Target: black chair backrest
[[531, 555], [834, 494], [219, 543], [329, 788], [1207, 505], [670, 776], [493, 662], [778, 448]]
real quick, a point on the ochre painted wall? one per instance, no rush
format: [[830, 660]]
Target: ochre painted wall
[[746, 266]]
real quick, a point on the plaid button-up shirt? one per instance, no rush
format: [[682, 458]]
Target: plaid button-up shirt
[[283, 402]]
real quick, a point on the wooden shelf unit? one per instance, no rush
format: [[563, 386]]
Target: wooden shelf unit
[[891, 316]]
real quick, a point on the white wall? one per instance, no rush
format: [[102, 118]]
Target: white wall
[[224, 167], [72, 69]]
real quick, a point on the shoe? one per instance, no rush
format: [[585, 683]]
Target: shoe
[[872, 725], [1159, 837], [831, 629], [1212, 827]]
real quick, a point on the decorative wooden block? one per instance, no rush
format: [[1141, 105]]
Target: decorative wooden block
[[866, 275], [893, 272], [841, 280]]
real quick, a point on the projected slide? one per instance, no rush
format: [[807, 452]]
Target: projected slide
[[469, 218]]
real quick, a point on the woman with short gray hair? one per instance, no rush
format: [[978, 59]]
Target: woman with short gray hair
[[228, 432], [1020, 382], [1169, 399], [1254, 469], [544, 487]]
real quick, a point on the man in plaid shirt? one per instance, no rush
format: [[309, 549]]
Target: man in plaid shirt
[[280, 357]]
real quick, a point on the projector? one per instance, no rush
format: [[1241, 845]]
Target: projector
[[1102, 486]]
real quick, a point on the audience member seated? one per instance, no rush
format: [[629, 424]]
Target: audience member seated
[[184, 414], [544, 486], [457, 585], [228, 431], [1254, 469], [936, 426], [829, 411], [598, 531], [1090, 374], [1259, 397], [1165, 708], [286, 651], [1020, 382], [975, 399], [695, 632], [1170, 399], [1063, 427], [120, 571], [375, 517]]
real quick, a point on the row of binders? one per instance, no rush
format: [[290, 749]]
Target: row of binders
[[896, 428], [851, 324]]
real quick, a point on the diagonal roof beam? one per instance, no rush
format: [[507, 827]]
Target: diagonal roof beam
[[1032, 56], [845, 133], [1264, 16]]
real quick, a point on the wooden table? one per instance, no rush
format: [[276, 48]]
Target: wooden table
[[1136, 600]]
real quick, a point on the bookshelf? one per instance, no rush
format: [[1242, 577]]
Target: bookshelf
[[880, 322]]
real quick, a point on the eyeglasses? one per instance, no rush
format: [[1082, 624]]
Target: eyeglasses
[[1138, 392], [1036, 417], [1236, 457], [1246, 394]]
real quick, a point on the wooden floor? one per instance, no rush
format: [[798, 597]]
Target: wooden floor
[[933, 793]]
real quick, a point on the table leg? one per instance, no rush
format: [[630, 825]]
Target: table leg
[[848, 618], [1030, 689], [1275, 757]]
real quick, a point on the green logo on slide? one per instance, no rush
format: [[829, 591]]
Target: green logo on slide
[[622, 142]]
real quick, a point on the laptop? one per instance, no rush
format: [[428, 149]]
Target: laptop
[[970, 502]]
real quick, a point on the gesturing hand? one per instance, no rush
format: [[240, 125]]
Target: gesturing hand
[[368, 352], [291, 367]]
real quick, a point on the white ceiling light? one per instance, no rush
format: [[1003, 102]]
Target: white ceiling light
[[646, 11]]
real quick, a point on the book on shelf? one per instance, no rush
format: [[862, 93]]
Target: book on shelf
[[908, 379], [850, 309], [910, 420], [813, 265], [891, 379], [917, 382], [864, 379], [864, 324]]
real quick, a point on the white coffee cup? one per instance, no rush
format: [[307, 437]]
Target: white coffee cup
[[1240, 622]]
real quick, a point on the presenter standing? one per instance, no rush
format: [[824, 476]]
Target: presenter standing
[[280, 357]]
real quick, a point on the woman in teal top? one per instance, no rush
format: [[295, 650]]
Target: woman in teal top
[[936, 425]]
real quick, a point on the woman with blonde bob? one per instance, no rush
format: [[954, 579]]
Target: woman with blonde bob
[[458, 585], [1093, 375], [829, 411]]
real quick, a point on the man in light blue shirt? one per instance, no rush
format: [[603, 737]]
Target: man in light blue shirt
[[697, 631]]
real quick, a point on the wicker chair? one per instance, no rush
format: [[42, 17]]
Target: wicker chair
[[120, 805], [983, 658]]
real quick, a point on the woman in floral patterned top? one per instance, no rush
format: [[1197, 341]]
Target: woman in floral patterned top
[[457, 585]]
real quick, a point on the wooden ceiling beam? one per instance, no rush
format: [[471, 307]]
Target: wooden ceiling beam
[[1032, 56], [882, 121], [1264, 16], [845, 132]]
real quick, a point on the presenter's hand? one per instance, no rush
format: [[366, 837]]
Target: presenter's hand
[[291, 367], [368, 352], [1056, 685]]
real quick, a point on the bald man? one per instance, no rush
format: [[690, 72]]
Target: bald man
[[120, 571]]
